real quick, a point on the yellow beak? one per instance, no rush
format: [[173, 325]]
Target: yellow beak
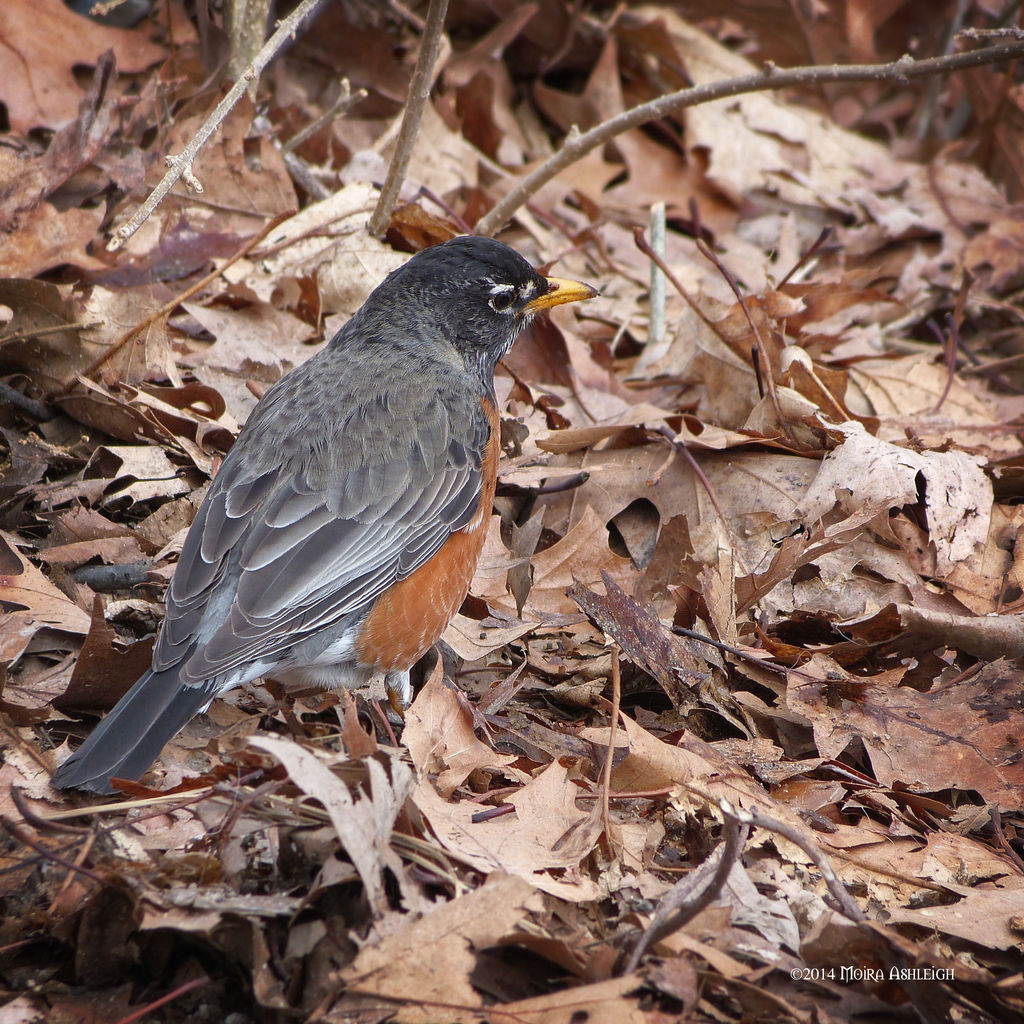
[[560, 291]]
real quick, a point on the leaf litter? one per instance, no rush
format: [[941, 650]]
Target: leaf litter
[[815, 594]]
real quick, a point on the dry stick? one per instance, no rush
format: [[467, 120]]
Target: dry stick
[[690, 895], [705, 250], [1004, 845], [950, 344], [346, 98], [18, 833], [181, 165], [644, 246], [419, 91], [169, 307], [35, 409], [152, 1007], [680, 447], [656, 321], [606, 774], [577, 145], [822, 238], [755, 816], [245, 24]]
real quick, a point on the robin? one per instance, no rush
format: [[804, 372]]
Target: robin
[[342, 531]]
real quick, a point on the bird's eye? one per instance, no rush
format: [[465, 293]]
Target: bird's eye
[[502, 302]]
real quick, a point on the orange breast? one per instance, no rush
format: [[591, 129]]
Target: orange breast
[[410, 616]]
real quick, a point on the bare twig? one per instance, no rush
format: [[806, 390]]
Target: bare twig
[[606, 774], [690, 895], [992, 33], [893, 958], [656, 323], [950, 343], [42, 332], [419, 91], [755, 816], [927, 109], [1011, 853], [16, 832], [152, 1007], [35, 409], [169, 307], [797, 267], [181, 165], [578, 144], [346, 98], [245, 23], [645, 247], [705, 250], [680, 447]]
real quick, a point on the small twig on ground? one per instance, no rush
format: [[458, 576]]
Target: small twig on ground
[[991, 33], [797, 267], [645, 247], [578, 144], [606, 774], [245, 24], [769, 370], [755, 816], [892, 957], [1011, 853], [35, 409], [419, 92], [346, 98], [23, 837], [42, 332], [690, 895], [680, 447], [181, 165], [656, 320], [950, 343], [169, 307], [926, 111], [152, 1007]]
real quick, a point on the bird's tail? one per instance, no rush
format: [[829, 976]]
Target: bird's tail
[[130, 738]]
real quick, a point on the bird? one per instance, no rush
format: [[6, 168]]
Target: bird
[[342, 530]]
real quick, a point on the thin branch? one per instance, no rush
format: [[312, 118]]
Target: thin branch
[[245, 24], [797, 267], [577, 145], [35, 409], [181, 165], [606, 774], [761, 346], [680, 447], [645, 247], [346, 98], [656, 321], [690, 895], [169, 307], [20, 835], [419, 92], [152, 1007], [755, 816], [891, 956]]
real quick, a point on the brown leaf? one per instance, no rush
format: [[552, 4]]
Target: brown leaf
[[363, 824], [547, 832], [962, 736], [43, 41], [425, 967], [106, 666], [439, 732], [645, 641]]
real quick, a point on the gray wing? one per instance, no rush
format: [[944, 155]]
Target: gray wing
[[281, 552]]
